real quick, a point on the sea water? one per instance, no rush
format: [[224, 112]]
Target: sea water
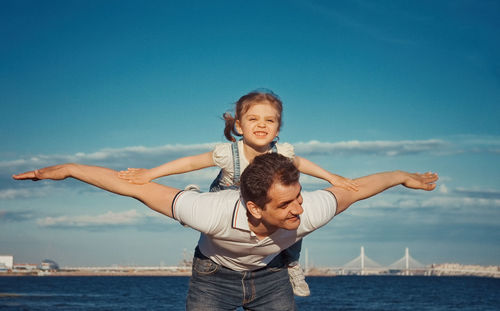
[[327, 293]]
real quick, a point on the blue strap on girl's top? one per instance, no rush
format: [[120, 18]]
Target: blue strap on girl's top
[[274, 149], [217, 183], [236, 163]]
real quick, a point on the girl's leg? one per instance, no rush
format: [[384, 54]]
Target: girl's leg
[[292, 254]]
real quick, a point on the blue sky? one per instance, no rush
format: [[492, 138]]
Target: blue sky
[[367, 86]]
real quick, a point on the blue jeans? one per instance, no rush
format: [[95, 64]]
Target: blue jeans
[[214, 287]]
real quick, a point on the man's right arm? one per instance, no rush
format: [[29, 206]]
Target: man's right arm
[[377, 183], [155, 196]]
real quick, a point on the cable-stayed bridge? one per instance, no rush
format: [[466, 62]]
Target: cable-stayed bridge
[[364, 265]]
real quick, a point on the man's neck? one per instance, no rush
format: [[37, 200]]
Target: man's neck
[[260, 229]]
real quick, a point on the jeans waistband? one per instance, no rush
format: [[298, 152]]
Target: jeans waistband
[[277, 262]]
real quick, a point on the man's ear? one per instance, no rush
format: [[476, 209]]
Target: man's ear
[[253, 209], [237, 126]]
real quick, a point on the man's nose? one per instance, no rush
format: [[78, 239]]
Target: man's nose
[[297, 208]]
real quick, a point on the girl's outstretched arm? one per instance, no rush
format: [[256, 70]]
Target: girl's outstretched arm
[[155, 196], [182, 165], [310, 168]]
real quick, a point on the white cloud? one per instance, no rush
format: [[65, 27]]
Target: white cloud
[[443, 189], [110, 155], [478, 193], [442, 199], [471, 203], [16, 215], [153, 156], [387, 148], [14, 193], [9, 193], [131, 217], [146, 220]]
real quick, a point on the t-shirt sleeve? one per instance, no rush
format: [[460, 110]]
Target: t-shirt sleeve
[[203, 212], [286, 149], [222, 155], [319, 208]]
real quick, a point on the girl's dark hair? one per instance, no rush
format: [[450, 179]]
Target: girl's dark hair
[[260, 175], [242, 106]]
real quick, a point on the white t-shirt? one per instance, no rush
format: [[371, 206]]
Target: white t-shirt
[[223, 158], [225, 234]]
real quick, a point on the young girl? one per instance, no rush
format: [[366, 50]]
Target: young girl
[[257, 119]]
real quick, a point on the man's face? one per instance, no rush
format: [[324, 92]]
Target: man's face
[[285, 206]]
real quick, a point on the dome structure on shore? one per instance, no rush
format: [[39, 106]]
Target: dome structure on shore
[[49, 265]]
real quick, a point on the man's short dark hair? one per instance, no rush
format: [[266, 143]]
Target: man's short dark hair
[[259, 176]]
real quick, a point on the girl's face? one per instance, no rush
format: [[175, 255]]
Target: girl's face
[[259, 125]]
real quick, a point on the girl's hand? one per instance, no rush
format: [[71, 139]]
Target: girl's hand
[[137, 176], [343, 182]]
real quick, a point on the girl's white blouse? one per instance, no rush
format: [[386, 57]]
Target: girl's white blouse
[[223, 158]]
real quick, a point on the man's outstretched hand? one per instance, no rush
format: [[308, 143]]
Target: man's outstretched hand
[[56, 172], [426, 181]]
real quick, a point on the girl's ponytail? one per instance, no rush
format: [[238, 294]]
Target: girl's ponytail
[[229, 129]]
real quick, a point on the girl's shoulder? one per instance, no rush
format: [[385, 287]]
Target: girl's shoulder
[[222, 146], [223, 154], [285, 149]]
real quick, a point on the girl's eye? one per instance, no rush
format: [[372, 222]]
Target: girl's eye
[[270, 121]]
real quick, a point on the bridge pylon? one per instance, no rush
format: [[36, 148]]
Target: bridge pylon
[[406, 263], [361, 264]]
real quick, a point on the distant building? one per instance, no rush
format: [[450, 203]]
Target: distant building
[[6, 262], [24, 267], [49, 265]]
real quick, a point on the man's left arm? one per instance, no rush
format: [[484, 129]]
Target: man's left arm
[[374, 184]]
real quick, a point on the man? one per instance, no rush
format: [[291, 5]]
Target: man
[[237, 260]]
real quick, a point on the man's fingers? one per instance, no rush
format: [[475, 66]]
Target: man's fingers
[[26, 175], [433, 176], [430, 187], [429, 180]]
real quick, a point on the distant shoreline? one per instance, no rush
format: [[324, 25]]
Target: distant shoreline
[[446, 269], [97, 273], [188, 274], [58, 274]]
